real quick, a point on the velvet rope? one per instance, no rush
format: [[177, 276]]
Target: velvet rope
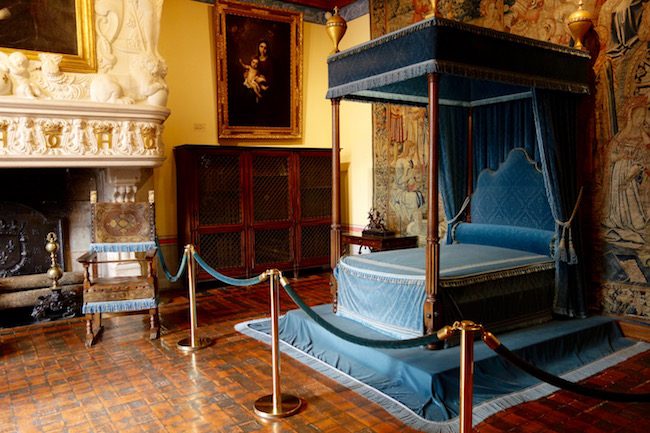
[[181, 267], [382, 344], [565, 384], [226, 279]]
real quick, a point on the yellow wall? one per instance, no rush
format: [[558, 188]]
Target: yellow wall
[[187, 44]]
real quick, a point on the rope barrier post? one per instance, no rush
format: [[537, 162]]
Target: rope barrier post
[[276, 405], [468, 329], [193, 343]]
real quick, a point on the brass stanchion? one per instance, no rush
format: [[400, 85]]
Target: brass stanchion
[[193, 343], [276, 405], [467, 330]]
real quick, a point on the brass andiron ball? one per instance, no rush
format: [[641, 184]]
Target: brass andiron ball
[[579, 23], [336, 27], [54, 272]]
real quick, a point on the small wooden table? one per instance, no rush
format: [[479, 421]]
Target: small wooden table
[[380, 243]]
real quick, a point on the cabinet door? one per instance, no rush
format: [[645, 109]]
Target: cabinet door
[[220, 235], [271, 224], [315, 208]]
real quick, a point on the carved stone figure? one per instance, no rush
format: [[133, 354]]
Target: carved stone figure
[[105, 88], [18, 65], [149, 72], [56, 83]]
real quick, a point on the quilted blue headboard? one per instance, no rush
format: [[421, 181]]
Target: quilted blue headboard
[[509, 208], [514, 195]]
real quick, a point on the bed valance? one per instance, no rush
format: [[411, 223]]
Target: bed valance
[[475, 64]]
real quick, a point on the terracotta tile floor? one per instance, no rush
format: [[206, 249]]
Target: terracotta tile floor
[[125, 384]]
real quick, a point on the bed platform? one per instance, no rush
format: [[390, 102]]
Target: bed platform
[[438, 63]]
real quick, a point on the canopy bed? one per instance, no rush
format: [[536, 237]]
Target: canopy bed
[[452, 68]]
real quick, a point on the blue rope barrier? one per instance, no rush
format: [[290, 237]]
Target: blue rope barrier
[[382, 344], [163, 265], [226, 279]]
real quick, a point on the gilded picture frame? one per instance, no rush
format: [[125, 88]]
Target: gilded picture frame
[[63, 27], [259, 71]]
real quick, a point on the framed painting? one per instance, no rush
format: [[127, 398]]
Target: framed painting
[[63, 27], [259, 71]]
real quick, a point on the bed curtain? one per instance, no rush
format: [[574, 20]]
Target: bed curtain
[[556, 123], [499, 128], [453, 169], [547, 127]]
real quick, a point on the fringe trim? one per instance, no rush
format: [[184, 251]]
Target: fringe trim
[[418, 281], [125, 247], [491, 276], [119, 306], [410, 418], [453, 68]]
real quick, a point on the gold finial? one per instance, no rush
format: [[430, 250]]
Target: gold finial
[[336, 27], [579, 23]]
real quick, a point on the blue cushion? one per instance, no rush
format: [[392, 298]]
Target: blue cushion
[[518, 238]]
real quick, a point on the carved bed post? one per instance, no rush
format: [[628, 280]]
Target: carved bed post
[[432, 310], [335, 232], [470, 157]]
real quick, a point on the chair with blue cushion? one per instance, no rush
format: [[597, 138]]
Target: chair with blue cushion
[[122, 234]]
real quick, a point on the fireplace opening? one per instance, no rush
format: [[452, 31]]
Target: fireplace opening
[[33, 203]]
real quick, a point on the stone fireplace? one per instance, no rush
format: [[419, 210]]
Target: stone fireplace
[[64, 132]]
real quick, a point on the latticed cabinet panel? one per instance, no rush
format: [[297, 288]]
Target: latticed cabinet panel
[[315, 241], [315, 187], [272, 246], [222, 250], [220, 189], [271, 199]]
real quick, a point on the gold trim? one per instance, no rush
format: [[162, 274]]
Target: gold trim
[[149, 137], [86, 58], [52, 134], [4, 125], [104, 136]]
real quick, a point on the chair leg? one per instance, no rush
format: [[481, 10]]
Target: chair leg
[[154, 320], [92, 331]]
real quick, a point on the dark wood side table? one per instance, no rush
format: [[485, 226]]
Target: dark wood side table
[[380, 243]]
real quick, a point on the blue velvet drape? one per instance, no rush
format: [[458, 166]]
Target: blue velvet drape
[[556, 124], [453, 160], [499, 128], [496, 130]]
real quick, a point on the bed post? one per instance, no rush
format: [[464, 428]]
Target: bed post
[[335, 232], [470, 159], [432, 310]]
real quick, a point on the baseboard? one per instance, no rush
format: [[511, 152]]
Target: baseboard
[[635, 329]]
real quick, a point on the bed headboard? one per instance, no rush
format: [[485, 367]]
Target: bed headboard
[[513, 195], [509, 208]]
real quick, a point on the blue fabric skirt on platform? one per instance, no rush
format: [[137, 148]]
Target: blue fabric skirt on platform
[[421, 386]]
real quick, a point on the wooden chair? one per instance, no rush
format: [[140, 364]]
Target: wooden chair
[[119, 230]]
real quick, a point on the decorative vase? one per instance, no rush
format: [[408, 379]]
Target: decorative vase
[[579, 23], [336, 27]]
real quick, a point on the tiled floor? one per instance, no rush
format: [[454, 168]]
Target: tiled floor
[[50, 383]]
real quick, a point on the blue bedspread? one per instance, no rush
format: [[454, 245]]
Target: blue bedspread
[[385, 290]]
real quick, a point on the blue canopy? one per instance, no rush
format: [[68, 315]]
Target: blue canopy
[[475, 64]]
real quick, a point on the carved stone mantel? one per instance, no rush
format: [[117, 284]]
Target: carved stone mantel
[[49, 133], [51, 116]]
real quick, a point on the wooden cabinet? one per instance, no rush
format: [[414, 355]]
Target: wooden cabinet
[[248, 209]]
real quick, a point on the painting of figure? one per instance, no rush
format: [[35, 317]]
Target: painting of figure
[[258, 77]]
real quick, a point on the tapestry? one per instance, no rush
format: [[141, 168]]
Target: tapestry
[[618, 164]]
